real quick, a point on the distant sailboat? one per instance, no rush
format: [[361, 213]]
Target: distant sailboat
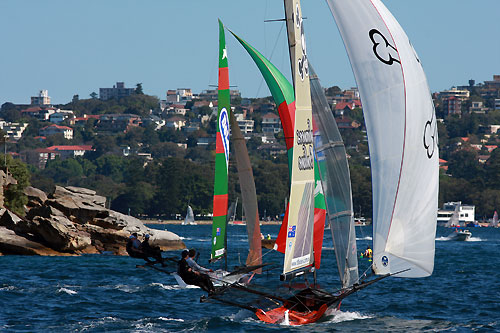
[[494, 220], [189, 219]]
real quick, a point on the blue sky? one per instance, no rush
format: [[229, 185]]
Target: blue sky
[[75, 47]]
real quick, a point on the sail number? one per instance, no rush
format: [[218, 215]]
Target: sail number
[[305, 138]]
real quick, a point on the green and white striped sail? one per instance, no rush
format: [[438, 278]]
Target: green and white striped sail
[[221, 154]]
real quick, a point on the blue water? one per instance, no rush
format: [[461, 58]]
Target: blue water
[[98, 293]]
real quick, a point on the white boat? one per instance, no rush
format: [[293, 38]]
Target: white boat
[[460, 235], [189, 219], [360, 222]]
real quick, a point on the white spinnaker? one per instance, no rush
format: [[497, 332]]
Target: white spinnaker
[[402, 136]]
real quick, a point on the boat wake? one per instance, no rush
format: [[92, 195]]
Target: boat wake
[[172, 287], [7, 288], [67, 291], [170, 319], [337, 316], [474, 239], [443, 238], [364, 238]]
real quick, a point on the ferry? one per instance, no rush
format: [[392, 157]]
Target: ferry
[[466, 213]]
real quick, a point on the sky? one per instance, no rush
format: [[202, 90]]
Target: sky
[[78, 46]]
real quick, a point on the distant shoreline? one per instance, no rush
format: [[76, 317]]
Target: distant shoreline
[[202, 222]]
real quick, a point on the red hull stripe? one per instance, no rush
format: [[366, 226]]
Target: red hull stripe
[[220, 205], [223, 78]]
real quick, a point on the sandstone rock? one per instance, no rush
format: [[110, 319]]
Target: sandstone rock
[[74, 220], [84, 211], [9, 219], [81, 193], [35, 195], [11, 243]]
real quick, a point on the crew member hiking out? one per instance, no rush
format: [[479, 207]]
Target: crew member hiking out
[[134, 248], [192, 277], [194, 265], [152, 251]]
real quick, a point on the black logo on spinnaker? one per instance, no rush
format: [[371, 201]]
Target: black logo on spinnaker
[[385, 261], [382, 49], [430, 136]]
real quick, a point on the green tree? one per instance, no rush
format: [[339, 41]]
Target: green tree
[[138, 89], [93, 95], [15, 199]]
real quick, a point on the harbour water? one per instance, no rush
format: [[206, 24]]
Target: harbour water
[[98, 293]]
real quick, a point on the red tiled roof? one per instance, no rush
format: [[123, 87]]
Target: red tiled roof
[[81, 147], [58, 127], [270, 115], [343, 105]]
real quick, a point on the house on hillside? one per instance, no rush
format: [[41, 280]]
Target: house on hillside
[[66, 131], [175, 122], [60, 116], [14, 131], [71, 151], [347, 123], [271, 123], [39, 112], [121, 122]]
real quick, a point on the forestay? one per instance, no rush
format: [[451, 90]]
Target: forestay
[[402, 136]]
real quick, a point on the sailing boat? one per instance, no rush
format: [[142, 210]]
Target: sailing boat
[[189, 219], [392, 86], [494, 221], [454, 222], [225, 121]]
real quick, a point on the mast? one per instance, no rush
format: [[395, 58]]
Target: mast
[[221, 154], [299, 240]]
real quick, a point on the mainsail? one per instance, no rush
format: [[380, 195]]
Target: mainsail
[[299, 240], [454, 220], [221, 154], [248, 195], [189, 219], [284, 97], [402, 136], [494, 221], [334, 171]]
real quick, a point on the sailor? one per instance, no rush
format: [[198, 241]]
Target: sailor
[[268, 236], [134, 248], [192, 277], [368, 252], [194, 265], [152, 251]]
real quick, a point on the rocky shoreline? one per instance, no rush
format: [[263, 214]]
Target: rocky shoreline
[[73, 221]]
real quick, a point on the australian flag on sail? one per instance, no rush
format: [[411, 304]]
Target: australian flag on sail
[[291, 231], [217, 232]]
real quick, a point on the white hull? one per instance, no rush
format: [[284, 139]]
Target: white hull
[[461, 235]]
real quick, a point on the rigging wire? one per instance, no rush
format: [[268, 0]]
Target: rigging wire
[[270, 58]]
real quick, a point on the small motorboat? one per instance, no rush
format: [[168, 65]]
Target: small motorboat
[[460, 235]]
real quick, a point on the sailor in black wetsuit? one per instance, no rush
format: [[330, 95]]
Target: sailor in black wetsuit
[[191, 277], [134, 248], [151, 251]]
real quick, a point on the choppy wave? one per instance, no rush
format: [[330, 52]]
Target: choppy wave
[[171, 319], [7, 288], [364, 238], [67, 291], [338, 316], [172, 287]]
